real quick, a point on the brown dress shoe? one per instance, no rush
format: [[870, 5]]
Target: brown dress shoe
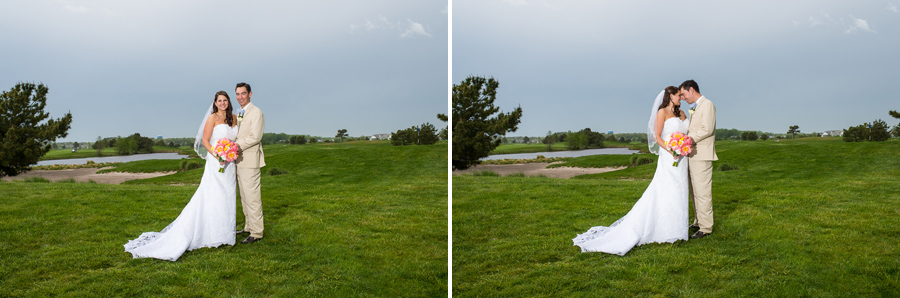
[[699, 235], [250, 239]]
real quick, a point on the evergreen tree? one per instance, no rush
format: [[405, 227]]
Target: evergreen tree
[[478, 125], [341, 134], [427, 135], [794, 129], [24, 136]]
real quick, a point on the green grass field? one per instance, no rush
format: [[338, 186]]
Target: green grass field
[[347, 220], [806, 217]]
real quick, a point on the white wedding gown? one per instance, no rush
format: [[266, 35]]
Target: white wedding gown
[[208, 220], [660, 215]]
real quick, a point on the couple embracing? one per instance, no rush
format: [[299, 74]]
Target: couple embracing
[[661, 214], [208, 220]]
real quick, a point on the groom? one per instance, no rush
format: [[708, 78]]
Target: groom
[[249, 138], [702, 130]]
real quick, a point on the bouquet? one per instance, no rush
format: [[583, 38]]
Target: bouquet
[[680, 145], [225, 151]]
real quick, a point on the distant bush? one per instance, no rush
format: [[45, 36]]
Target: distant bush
[[298, 140], [638, 160], [764, 137], [877, 132], [67, 180], [576, 140], [749, 136], [485, 173], [277, 171], [727, 167], [36, 179], [189, 164], [424, 134]]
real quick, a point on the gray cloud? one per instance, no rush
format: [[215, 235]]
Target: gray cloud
[[767, 65], [153, 67]]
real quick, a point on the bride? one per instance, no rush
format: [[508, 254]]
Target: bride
[[661, 214], [208, 220]]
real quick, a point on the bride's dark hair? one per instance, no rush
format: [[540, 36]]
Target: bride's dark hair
[[228, 118], [667, 98]]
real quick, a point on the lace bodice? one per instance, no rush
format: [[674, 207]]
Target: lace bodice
[[672, 125], [223, 131]]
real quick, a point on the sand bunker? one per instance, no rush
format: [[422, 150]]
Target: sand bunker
[[535, 169], [86, 174]]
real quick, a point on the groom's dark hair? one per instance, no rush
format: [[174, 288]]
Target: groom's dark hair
[[687, 85], [242, 84]]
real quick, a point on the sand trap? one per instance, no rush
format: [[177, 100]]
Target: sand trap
[[535, 169], [85, 174]]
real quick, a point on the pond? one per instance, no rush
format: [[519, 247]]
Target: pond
[[577, 153], [122, 158]]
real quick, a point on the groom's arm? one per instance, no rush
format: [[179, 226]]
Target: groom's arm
[[707, 124], [256, 131]]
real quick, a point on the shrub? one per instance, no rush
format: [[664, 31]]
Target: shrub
[[189, 164], [727, 167], [764, 137], [298, 140], [427, 134], [277, 171], [485, 173], [36, 179], [638, 160], [877, 132]]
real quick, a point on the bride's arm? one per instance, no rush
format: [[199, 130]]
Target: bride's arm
[[660, 121], [207, 132]]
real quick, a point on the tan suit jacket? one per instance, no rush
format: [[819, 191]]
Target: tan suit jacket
[[249, 138], [703, 130]]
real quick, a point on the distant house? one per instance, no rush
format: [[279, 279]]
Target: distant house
[[609, 132], [833, 133], [380, 136], [159, 137]]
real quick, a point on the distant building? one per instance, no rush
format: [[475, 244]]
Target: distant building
[[609, 132], [381, 136], [159, 137], [833, 133]]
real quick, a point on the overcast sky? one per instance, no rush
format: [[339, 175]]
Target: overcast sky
[[153, 67], [766, 65]]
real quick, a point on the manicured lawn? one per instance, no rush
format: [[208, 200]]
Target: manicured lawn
[[347, 220], [806, 217]]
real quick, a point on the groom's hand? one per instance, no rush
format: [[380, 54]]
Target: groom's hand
[[237, 146]]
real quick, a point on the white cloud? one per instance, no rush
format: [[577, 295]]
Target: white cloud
[[813, 22], [859, 25], [414, 29], [77, 9], [516, 2], [796, 23], [891, 7]]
